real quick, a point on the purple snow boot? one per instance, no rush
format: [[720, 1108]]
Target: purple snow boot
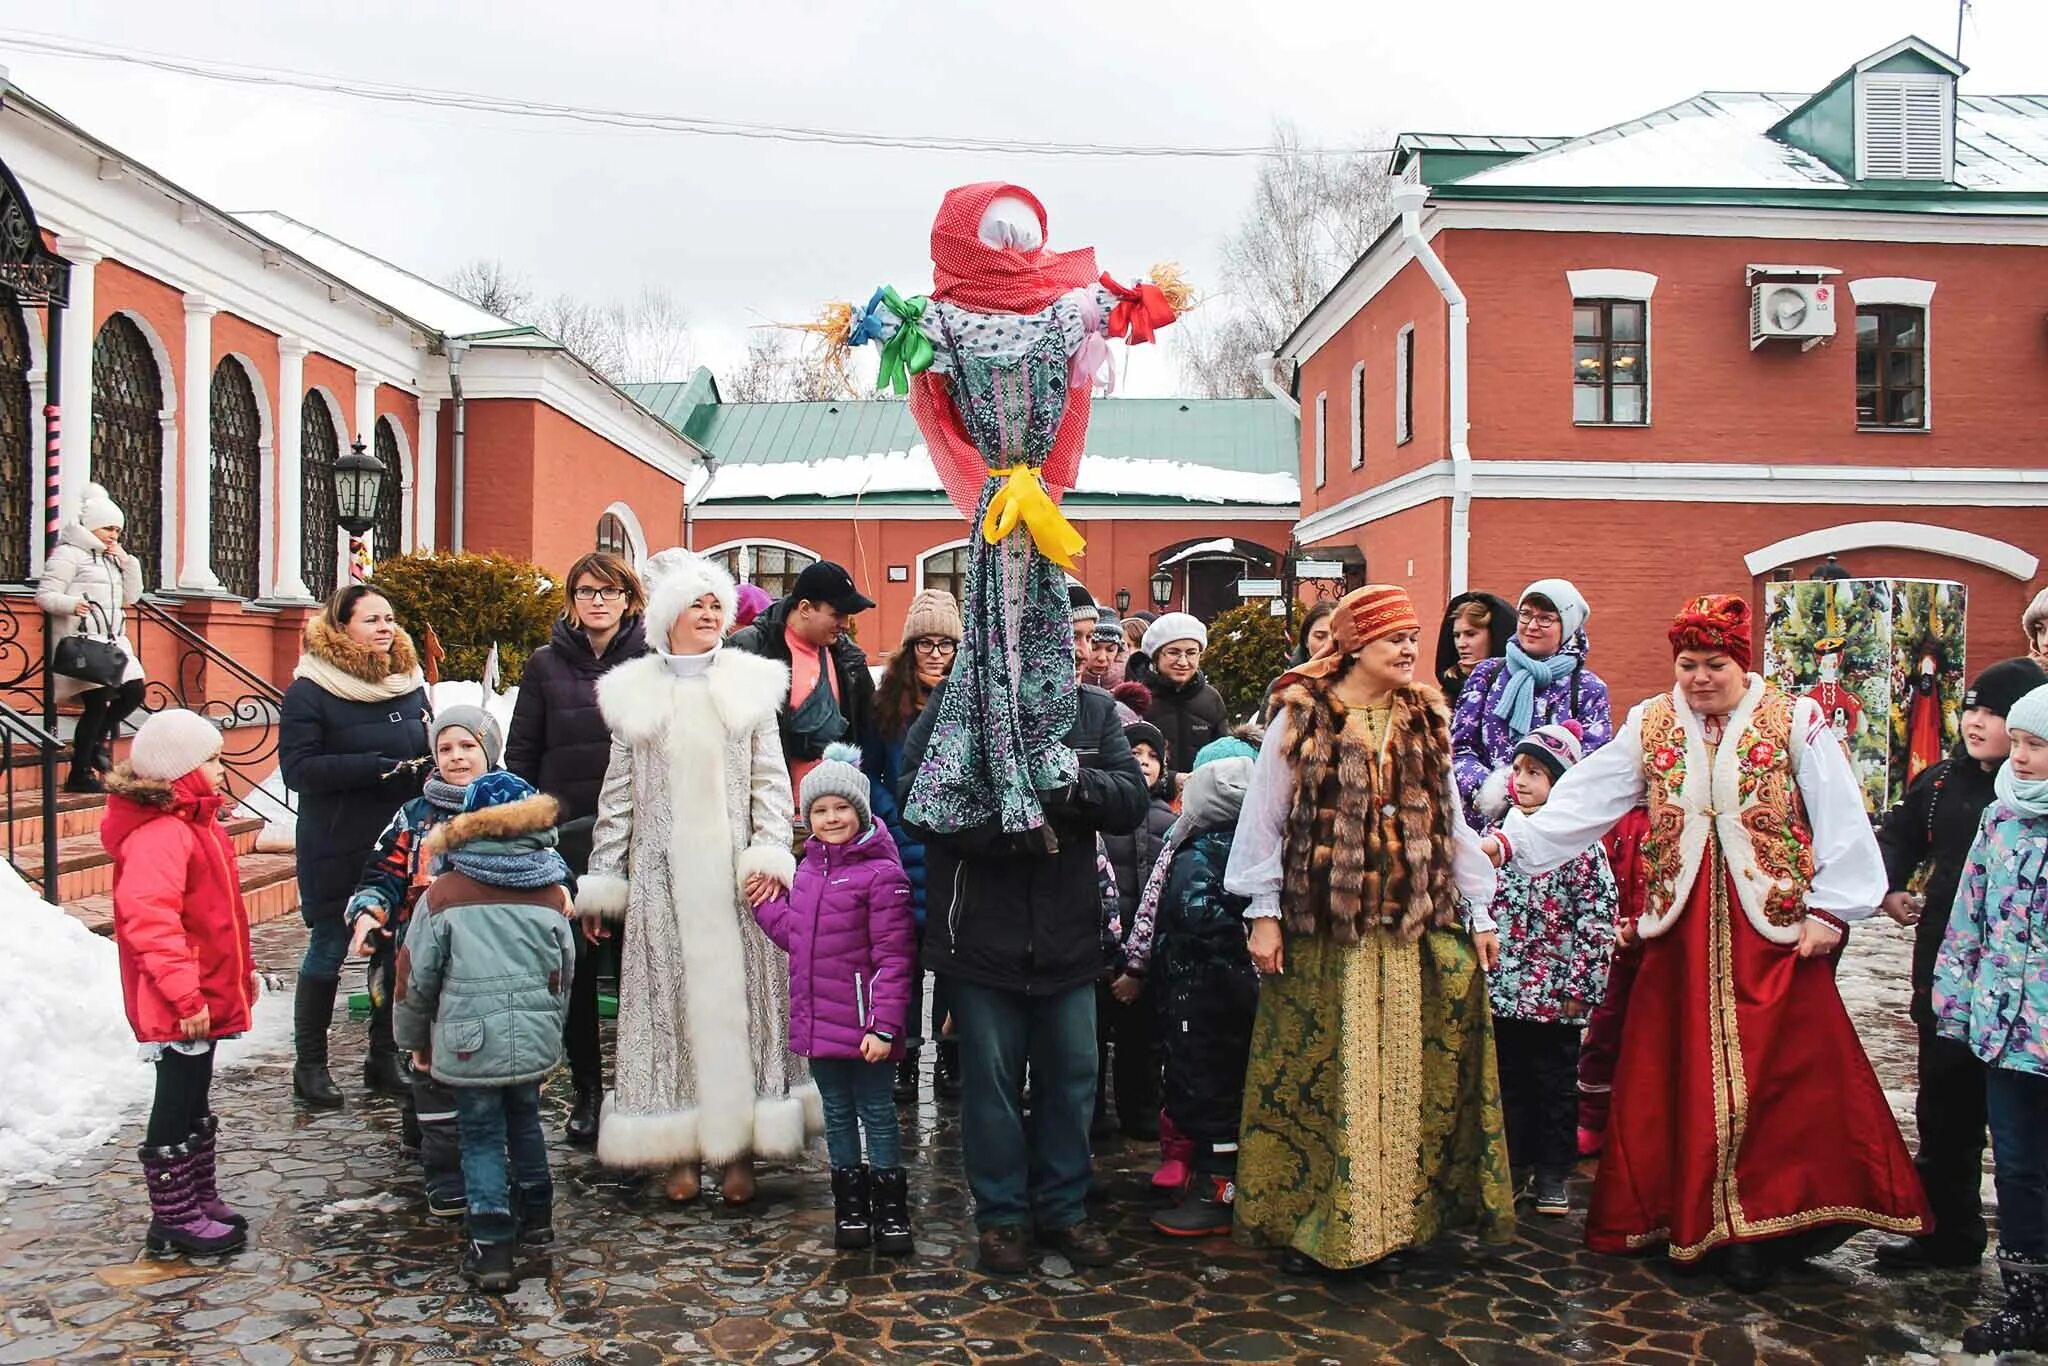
[[177, 1224], [204, 1189]]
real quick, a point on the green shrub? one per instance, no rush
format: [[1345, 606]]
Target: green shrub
[[1248, 647], [472, 602]]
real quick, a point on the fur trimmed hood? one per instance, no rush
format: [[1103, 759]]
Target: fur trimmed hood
[[530, 816], [150, 792], [639, 698], [333, 647]]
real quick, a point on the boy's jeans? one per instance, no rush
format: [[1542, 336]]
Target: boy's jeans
[[497, 1121]]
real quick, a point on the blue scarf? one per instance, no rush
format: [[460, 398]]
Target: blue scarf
[[2029, 795], [522, 864], [1517, 705]]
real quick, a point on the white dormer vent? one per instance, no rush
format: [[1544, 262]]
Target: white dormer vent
[[1905, 125]]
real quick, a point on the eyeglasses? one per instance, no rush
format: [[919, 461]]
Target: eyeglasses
[[1529, 618], [1185, 655], [586, 593], [938, 647]]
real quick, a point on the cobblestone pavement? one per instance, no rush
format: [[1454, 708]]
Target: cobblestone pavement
[[345, 1266]]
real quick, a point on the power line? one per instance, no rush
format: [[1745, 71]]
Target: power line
[[56, 45]]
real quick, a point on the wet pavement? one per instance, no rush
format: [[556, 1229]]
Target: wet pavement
[[345, 1266]]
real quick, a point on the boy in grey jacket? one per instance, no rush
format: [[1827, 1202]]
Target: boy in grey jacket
[[483, 989]]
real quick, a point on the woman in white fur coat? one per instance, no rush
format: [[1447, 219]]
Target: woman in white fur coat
[[693, 824]]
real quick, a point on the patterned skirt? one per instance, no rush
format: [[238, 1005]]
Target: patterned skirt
[[1372, 1116]]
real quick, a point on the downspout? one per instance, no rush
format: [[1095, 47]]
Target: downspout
[[1263, 365], [1408, 201], [455, 350]]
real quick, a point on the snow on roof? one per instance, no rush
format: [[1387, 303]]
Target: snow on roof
[[1221, 546], [911, 471], [417, 298]]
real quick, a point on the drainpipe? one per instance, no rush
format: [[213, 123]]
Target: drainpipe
[[1264, 366], [1408, 201], [455, 351]]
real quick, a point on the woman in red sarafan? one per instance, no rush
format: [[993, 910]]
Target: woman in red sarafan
[[1747, 1122]]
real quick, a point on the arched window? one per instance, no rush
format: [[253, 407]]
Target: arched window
[[128, 438], [319, 448], [237, 478], [772, 568], [613, 537], [947, 569], [389, 527], [20, 466]]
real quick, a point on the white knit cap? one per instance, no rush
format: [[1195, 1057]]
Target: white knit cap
[[1571, 605], [1174, 626], [675, 579], [172, 743], [98, 510]]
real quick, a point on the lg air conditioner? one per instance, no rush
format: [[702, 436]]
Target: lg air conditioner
[[1804, 310]]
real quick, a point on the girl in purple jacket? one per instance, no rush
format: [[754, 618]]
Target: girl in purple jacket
[[847, 927]]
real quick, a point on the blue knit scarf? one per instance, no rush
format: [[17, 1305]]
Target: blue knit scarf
[[1517, 705], [522, 864], [2028, 795]]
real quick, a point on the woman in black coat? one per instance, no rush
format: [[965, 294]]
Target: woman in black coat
[[560, 744], [352, 742]]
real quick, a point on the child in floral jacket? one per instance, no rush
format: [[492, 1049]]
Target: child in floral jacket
[[1991, 993], [1556, 940]]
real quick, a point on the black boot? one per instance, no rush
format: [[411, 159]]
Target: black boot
[[384, 1071], [1747, 1268], [489, 1266], [905, 1089], [537, 1215], [312, 1008], [891, 1187], [1204, 1211], [2022, 1325], [583, 1111], [946, 1071], [852, 1225]]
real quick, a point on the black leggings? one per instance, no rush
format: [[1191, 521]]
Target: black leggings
[[100, 720], [182, 1081]]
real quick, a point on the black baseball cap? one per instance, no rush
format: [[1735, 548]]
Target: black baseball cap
[[824, 581]]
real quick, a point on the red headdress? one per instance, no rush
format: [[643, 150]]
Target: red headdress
[[1363, 615], [1717, 622]]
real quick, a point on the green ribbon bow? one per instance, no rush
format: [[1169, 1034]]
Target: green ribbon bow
[[909, 352]]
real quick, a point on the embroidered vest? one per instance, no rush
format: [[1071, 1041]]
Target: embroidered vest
[[1741, 795]]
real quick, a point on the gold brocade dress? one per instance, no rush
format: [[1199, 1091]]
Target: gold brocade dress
[[1372, 1117]]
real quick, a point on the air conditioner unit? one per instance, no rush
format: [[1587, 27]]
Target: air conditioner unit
[[1802, 309]]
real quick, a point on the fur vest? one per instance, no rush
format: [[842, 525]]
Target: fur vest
[[1365, 829]]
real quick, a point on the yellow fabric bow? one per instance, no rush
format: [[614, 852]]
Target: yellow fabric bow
[[1023, 498]]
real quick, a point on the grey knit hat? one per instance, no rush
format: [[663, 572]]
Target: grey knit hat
[[838, 776], [477, 722]]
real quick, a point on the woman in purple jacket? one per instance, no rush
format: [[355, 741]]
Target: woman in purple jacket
[[847, 927], [1542, 681]]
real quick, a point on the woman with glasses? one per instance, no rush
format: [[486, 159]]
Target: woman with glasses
[[1543, 680], [931, 639], [560, 744]]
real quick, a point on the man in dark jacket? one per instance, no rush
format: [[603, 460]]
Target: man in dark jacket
[[1015, 922], [1937, 822], [1188, 712], [807, 631]]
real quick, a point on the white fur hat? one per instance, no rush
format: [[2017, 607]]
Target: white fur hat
[[675, 579], [96, 509], [1175, 626], [171, 744]]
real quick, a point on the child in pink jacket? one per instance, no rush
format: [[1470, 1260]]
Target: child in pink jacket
[[846, 924]]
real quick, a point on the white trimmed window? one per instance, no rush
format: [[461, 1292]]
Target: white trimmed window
[[1322, 438], [1891, 353], [1404, 385], [1358, 416], [1611, 346]]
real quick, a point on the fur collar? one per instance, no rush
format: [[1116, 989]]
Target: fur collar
[[333, 647], [640, 697], [149, 792], [528, 817]]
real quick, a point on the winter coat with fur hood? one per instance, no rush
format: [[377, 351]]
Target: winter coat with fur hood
[[339, 754], [695, 801], [846, 925], [180, 928], [80, 570]]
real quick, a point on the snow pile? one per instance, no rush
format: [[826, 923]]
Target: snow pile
[[911, 471], [266, 802], [70, 1076]]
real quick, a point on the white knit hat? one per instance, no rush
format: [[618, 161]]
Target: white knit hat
[[1572, 608], [97, 510], [675, 579], [1175, 626], [172, 743]]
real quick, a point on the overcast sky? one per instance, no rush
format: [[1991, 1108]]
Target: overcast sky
[[745, 232]]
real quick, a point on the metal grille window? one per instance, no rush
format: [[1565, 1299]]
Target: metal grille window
[[771, 568], [20, 466], [128, 438], [389, 528], [612, 537], [1610, 361], [237, 478], [1891, 366], [319, 448], [947, 571]]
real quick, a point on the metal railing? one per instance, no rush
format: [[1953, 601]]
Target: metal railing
[[17, 730], [182, 668]]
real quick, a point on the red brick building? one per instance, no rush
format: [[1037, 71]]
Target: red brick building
[[1687, 352]]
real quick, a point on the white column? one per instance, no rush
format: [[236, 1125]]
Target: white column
[[196, 574], [366, 411], [426, 487], [291, 396], [75, 385]]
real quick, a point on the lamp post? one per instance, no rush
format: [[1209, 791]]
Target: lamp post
[[1162, 589], [358, 478], [1123, 602]]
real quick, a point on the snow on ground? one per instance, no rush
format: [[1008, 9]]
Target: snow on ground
[[70, 1074]]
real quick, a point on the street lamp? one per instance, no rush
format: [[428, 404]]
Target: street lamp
[[1123, 602], [358, 477], [1162, 589]]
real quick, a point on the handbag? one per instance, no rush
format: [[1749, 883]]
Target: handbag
[[99, 660]]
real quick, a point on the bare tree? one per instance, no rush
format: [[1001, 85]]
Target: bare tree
[[782, 369], [645, 339], [492, 286], [654, 333], [1311, 215]]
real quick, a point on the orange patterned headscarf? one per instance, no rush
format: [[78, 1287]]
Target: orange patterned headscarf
[[1363, 615], [1718, 622]]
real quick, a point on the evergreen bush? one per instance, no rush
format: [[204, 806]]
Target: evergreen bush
[[472, 602], [1248, 647]]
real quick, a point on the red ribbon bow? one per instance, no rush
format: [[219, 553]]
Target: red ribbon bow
[[1139, 313]]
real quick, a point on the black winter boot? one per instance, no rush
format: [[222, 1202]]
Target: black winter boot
[[537, 1215], [905, 1088], [1204, 1211], [891, 1187], [852, 1222], [2022, 1325], [583, 1112], [489, 1266], [946, 1071], [312, 1009], [385, 1072]]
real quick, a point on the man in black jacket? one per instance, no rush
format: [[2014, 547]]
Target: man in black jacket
[[1937, 821], [804, 630], [1015, 923]]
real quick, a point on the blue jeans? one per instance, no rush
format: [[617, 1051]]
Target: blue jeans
[[495, 1121], [1016, 1175], [326, 947], [2017, 1103], [856, 1096]]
